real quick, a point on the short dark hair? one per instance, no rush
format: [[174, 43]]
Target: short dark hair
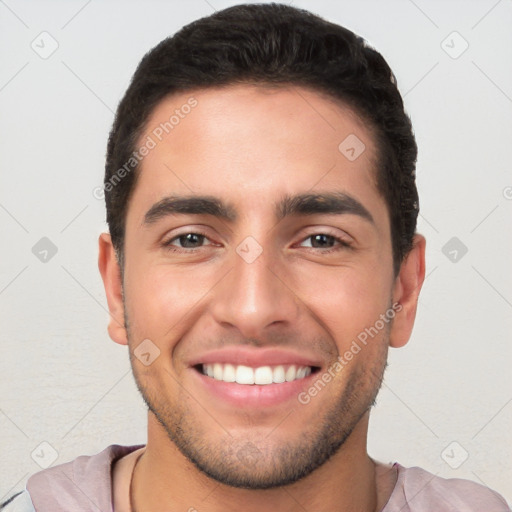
[[278, 45]]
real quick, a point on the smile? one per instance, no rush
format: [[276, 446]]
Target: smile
[[262, 375]]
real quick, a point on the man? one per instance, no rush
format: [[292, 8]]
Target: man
[[261, 259]]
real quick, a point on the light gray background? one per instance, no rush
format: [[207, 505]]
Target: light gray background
[[65, 383]]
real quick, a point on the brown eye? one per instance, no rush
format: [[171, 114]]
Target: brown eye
[[322, 240], [325, 241], [191, 240]]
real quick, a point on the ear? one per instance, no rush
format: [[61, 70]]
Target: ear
[[111, 275], [406, 291]]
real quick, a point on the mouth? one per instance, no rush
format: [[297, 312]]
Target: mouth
[[259, 376], [253, 379], [250, 388]]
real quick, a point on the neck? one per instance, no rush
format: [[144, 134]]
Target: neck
[[166, 480]]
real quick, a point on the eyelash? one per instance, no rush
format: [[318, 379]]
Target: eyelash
[[343, 244]]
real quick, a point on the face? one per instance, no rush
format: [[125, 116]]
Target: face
[[257, 254]]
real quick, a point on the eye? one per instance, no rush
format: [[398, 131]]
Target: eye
[[189, 242], [326, 241], [192, 240]]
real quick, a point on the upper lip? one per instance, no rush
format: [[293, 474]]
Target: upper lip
[[254, 357]]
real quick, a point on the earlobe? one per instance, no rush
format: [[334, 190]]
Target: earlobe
[[406, 291], [111, 275]]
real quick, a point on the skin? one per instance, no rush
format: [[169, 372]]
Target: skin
[[249, 146]]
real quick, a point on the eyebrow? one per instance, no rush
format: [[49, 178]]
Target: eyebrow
[[302, 204], [326, 203]]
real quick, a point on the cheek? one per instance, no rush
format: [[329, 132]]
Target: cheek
[[161, 298], [346, 300]]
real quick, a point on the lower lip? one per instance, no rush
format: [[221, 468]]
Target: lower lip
[[254, 395]]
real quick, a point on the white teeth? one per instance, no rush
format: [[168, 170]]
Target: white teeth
[[278, 374], [262, 375], [291, 373], [229, 373], [218, 371], [244, 375]]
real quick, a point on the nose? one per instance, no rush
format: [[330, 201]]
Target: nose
[[254, 296]]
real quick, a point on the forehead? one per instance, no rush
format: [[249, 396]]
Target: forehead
[[248, 141], [237, 110]]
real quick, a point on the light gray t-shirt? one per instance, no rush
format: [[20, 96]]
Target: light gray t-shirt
[[85, 484]]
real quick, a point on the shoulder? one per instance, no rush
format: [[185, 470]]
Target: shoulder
[[95, 467], [418, 490], [70, 485]]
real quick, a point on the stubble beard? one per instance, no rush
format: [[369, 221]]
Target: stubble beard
[[253, 461]]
